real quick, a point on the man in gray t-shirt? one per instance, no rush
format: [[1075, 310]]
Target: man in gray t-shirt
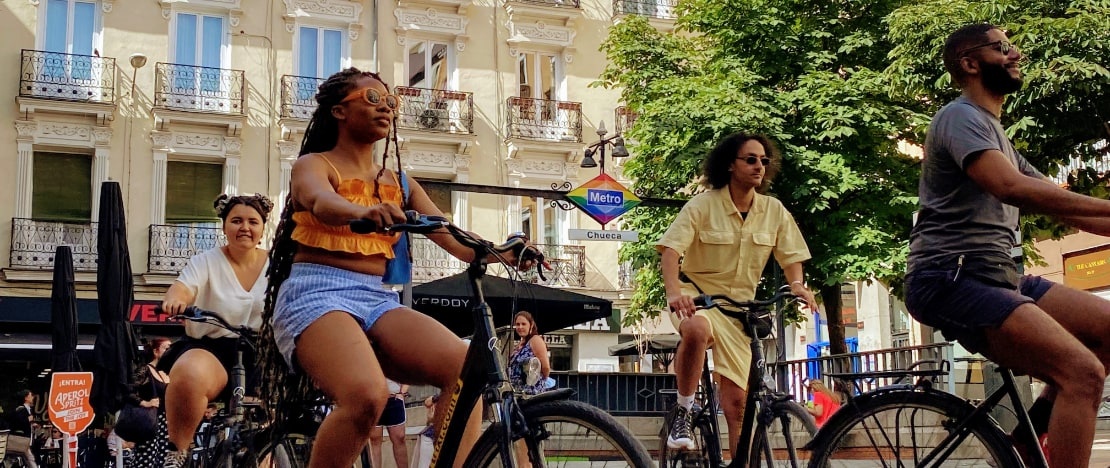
[[960, 277]]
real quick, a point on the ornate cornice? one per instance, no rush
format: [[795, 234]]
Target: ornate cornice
[[26, 129], [288, 149], [541, 35], [333, 11], [234, 13], [430, 22], [102, 136]]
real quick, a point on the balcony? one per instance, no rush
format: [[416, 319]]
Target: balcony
[[568, 263], [552, 3], [624, 118], [172, 245], [545, 120], [67, 77], [660, 9], [298, 96], [34, 243], [435, 110], [626, 276], [198, 89]]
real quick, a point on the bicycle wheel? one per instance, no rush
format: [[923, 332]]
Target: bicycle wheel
[[905, 426], [779, 443], [568, 433], [708, 444], [288, 451]]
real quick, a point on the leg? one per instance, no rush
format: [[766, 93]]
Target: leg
[[336, 354], [1031, 341], [690, 357], [375, 447], [733, 401], [416, 349], [1083, 314], [196, 378], [400, 449]]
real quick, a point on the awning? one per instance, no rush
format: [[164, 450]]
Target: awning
[[36, 347], [656, 344]]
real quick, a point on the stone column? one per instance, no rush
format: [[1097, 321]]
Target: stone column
[[25, 159], [162, 141], [102, 140], [232, 146]]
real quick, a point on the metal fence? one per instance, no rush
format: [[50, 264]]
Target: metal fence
[[791, 373], [663, 9], [298, 96], [436, 110], [200, 89], [34, 243], [69, 77], [545, 119], [171, 245]]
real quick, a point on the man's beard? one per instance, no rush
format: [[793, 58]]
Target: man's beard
[[997, 79]]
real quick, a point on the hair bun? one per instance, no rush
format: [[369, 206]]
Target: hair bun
[[221, 203], [265, 202]]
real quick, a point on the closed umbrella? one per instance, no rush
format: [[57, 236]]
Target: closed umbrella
[[114, 353], [449, 300], [63, 314]]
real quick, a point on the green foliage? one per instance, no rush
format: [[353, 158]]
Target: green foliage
[[838, 85]]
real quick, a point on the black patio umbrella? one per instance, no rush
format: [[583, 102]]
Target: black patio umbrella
[[63, 314], [114, 353], [655, 344], [449, 300]]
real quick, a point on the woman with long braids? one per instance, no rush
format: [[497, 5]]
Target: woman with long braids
[[330, 318]]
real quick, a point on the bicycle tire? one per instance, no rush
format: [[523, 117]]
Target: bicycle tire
[[709, 446], [283, 452], [783, 440], [908, 414], [550, 421]]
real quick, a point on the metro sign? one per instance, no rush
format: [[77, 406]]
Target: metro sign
[[603, 198]]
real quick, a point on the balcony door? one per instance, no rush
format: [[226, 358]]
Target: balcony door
[[428, 73], [67, 62], [320, 53], [191, 187], [538, 79], [200, 43]]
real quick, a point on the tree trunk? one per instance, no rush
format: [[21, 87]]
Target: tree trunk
[[830, 296]]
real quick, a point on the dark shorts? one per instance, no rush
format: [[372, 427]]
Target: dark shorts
[[393, 414], [962, 308], [224, 349]]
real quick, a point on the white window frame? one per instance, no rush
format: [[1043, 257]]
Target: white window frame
[[452, 68], [225, 45], [345, 52], [98, 26]]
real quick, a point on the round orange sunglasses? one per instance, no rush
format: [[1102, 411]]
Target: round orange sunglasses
[[373, 97]]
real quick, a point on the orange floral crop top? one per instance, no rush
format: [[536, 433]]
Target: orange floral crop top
[[312, 232]]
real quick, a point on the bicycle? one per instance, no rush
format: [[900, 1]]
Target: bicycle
[[782, 426], [556, 431], [244, 437], [914, 424]]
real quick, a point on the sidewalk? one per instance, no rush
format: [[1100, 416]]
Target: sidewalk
[[1100, 452]]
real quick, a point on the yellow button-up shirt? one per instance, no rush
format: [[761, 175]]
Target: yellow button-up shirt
[[723, 252]]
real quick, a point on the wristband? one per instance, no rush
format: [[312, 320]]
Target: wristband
[[798, 282]]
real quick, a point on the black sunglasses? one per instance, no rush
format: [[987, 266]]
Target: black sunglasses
[[752, 160], [1003, 46]]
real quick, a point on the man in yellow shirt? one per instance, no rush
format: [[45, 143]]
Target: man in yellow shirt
[[724, 237]]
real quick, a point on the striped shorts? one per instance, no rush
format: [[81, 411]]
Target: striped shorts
[[313, 290]]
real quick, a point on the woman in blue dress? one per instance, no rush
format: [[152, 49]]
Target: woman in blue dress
[[529, 367]]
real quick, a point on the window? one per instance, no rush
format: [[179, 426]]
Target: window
[[70, 28], [61, 187], [320, 51], [848, 304], [428, 65], [538, 75], [199, 41], [541, 221], [441, 196], [190, 190]]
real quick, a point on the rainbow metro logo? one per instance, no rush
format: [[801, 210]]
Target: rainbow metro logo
[[603, 198]]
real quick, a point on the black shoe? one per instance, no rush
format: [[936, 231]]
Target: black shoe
[[679, 436]]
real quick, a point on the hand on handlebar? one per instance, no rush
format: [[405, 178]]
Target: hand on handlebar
[[383, 215], [173, 306], [682, 305], [804, 294]]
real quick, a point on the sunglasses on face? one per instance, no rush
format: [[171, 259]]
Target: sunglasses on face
[[1003, 46], [373, 97], [752, 160]]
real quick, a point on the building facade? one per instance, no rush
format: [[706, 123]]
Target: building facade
[[180, 101]]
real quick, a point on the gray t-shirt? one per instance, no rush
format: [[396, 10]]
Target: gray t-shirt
[[957, 216]]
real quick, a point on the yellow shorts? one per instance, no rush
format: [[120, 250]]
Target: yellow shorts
[[732, 352]]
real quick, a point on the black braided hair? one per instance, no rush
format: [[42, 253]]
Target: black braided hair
[[290, 394]]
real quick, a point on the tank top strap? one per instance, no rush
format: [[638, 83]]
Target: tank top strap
[[337, 174]]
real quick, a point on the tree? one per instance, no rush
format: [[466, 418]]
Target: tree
[[807, 74], [840, 85]]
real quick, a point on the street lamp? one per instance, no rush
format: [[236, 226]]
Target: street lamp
[[616, 141]]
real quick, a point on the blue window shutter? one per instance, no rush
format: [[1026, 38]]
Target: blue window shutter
[[309, 46], [57, 28], [332, 53], [185, 53], [212, 41], [84, 22]]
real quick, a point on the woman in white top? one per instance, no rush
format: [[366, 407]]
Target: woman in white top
[[229, 281]]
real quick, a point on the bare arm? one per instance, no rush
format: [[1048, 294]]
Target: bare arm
[[313, 190], [996, 175], [678, 302], [539, 348], [795, 275], [177, 298]]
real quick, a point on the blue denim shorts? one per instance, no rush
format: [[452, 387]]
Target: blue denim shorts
[[963, 307], [313, 290]]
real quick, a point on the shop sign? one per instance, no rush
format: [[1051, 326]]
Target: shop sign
[[1088, 269], [69, 405]]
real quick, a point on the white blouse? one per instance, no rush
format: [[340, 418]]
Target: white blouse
[[212, 280]]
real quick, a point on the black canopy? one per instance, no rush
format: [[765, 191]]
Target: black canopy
[[654, 344], [114, 353], [449, 300], [63, 314]]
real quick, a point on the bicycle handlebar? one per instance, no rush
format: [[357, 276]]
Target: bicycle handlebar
[[196, 314], [426, 224], [706, 301]]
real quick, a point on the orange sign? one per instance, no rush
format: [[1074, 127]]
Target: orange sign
[[69, 406]]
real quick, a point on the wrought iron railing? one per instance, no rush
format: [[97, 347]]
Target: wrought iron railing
[[624, 118], [430, 262], [1100, 165], [172, 245], [626, 276], [553, 3], [201, 89], [298, 96], [568, 266], [436, 110], [544, 119], [54, 75], [663, 9], [793, 373], [34, 243]]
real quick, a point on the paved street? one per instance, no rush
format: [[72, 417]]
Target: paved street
[[1100, 454]]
